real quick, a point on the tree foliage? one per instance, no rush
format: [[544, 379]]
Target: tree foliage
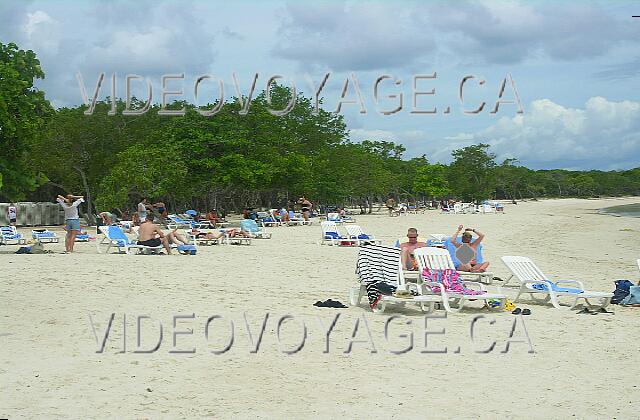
[[231, 160], [23, 114]]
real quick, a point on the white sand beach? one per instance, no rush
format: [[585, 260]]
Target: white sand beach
[[583, 365]]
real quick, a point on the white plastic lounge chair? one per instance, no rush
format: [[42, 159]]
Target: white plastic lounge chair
[[334, 217], [238, 240], [82, 236], [10, 236], [115, 236], [488, 208], [267, 219], [178, 222], [355, 232], [210, 241], [437, 239], [187, 249], [250, 226], [331, 236], [532, 281], [377, 263], [439, 259], [44, 236], [296, 219]]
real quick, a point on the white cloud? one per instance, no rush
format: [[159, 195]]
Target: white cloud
[[603, 134]]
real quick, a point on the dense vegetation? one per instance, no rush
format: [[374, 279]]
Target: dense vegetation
[[231, 160]]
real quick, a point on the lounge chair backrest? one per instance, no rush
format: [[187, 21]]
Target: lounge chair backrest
[[523, 268], [434, 258], [115, 233], [328, 227], [333, 217], [8, 230], [379, 263], [354, 230], [249, 225]]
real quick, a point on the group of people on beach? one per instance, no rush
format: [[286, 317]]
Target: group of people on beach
[[467, 247], [149, 233]]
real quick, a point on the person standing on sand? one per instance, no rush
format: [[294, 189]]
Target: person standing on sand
[[306, 207], [407, 248], [12, 214], [70, 205], [142, 209], [391, 205]]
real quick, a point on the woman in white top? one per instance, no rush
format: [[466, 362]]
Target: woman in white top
[[12, 214], [70, 205]]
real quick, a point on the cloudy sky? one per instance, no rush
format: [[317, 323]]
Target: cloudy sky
[[575, 65]]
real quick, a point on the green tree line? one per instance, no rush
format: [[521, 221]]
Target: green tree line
[[231, 161]]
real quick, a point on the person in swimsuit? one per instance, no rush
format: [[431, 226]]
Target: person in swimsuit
[[391, 205], [306, 207], [151, 235], [162, 210], [407, 248], [472, 265]]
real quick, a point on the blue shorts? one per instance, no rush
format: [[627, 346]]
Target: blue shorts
[[73, 224]]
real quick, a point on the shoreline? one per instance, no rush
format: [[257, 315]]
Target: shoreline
[[615, 210]]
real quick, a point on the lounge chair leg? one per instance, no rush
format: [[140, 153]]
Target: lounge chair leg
[[447, 306], [554, 300], [427, 307], [507, 280], [355, 295], [519, 293]]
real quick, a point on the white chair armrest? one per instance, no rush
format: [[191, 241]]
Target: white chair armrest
[[579, 283], [475, 283]]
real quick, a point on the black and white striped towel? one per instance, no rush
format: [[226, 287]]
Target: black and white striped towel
[[378, 268]]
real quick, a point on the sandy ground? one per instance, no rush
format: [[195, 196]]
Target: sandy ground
[[583, 365]]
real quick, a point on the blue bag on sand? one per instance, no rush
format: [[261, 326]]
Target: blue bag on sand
[[633, 298], [621, 292]]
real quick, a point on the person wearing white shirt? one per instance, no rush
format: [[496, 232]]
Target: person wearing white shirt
[[70, 205], [12, 214]]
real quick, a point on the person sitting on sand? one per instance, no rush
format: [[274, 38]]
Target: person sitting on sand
[[151, 235], [407, 248], [467, 251]]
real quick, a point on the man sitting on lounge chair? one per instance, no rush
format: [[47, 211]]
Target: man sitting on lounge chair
[[151, 235], [467, 251], [407, 248]]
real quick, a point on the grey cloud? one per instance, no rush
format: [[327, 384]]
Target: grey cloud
[[621, 71], [352, 36], [147, 38], [495, 32]]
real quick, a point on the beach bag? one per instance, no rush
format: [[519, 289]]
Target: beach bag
[[633, 298], [622, 290]]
